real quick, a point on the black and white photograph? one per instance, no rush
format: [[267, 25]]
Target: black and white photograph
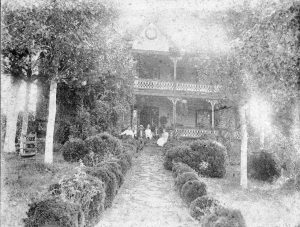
[[150, 113]]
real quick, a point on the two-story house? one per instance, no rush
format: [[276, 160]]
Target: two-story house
[[170, 94]]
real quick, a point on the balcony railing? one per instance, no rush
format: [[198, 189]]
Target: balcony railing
[[169, 85]]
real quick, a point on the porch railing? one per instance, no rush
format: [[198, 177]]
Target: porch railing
[[195, 133], [169, 85]]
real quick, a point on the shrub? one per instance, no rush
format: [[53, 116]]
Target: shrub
[[116, 169], [74, 150], [40, 146], [123, 163], [55, 189], [183, 178], [202, 206], [171, 143], [86, 190], [224, 217], [130, 147], [126, 156], [129, 141], [263, 166], [109, 180], [179, 168], [102, 144], [192, 189], [54, 212], [208, 158], [57, 147], [177, 154]]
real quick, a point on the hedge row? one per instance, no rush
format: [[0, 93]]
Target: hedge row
[[80, 200], [95, 148], [207, 157], [203, 208]]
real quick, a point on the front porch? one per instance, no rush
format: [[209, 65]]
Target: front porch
[[187, 118]]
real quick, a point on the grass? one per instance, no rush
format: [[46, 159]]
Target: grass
[[262, 204], [26, 180]]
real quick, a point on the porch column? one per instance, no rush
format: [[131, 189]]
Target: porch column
[[175, 60], [174, 102], [212, 103]]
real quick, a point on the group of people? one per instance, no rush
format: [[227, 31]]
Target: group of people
[[148, 134]]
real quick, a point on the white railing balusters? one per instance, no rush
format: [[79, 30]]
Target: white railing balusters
[[169, 85]]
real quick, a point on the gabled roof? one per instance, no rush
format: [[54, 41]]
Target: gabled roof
[[152, 40]]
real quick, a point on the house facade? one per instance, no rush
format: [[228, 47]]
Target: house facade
[[170, 94]]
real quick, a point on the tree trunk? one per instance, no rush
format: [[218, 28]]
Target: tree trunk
[[51, 123], [296, 126], [244, 143], [11, 119], [25, 118]]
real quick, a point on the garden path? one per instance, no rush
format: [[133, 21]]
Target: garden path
[[148, 197]]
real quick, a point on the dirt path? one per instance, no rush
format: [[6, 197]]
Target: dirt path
[[148, 197]]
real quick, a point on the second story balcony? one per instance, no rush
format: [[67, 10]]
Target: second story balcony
[[149, 86]]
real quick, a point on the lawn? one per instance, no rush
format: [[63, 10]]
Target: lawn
[[262, 204], [25, 180]]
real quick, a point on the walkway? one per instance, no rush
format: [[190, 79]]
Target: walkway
[[148, 197]]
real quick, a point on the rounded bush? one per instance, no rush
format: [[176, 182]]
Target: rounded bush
[[170, 144], [126, 156], [185, 177], [87, 191], [54, 212], [116, 169], [102, 144], [224, 217], [176, 154], [202, 206], [263, 166], [208, 158], [129, 148], [74, 150], [193, 189], [124, 165], [180, 168], [55, 189], [109, 180]]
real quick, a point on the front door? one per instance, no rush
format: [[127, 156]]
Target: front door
[[149, 115]]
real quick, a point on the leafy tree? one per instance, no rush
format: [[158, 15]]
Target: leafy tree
[[64, 33], [268, 50], [71, 31], [103, 98], [264, 59], [19, 54]]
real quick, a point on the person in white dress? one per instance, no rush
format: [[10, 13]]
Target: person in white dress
[[148, 132], [163, 139], [128, 132]]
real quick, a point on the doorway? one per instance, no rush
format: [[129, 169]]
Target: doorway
[[149, 115]]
